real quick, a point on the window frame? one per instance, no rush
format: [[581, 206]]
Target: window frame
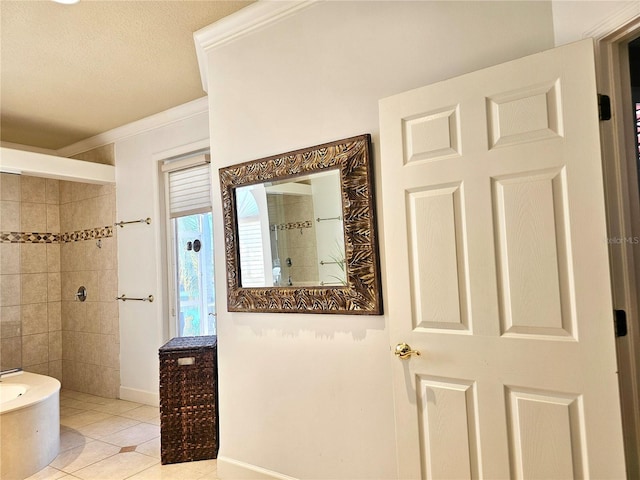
[[168, 165]]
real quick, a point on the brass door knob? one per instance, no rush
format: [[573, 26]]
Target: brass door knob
[[404, 351]]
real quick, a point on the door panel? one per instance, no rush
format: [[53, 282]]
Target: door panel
[[497, 272], [448, 424], [439, 278], [546, 436], [531, 236], [527, 114]]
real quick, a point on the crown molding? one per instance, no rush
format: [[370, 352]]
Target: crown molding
[[167, 117], [240, 24], [613, 22]]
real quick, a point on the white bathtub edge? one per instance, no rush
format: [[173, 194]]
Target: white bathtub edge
[[30, 427], [41, 387]]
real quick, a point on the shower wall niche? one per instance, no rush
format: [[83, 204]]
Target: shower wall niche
[[54, 237]]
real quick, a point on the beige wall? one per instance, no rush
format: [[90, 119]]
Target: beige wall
[[46, 247], [310, 396], [104, 155], [142, 262]]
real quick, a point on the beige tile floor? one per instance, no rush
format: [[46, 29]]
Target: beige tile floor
[[107, 439]]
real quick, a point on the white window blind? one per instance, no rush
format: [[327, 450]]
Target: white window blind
[[251, 258], [190, 191]]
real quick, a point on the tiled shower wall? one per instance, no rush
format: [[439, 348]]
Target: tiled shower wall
[[57, 236], [292, 215], [30, 321], [88, 257]]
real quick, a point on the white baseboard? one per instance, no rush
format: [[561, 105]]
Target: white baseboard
[[140, 396], [229, 469]]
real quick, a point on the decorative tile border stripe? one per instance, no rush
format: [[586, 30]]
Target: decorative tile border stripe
[[29, 237], [291, 226], [35, 237], [89, 234]]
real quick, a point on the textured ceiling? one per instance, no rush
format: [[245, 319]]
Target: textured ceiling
[[69, 72]]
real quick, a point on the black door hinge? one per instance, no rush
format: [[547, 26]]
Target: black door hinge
[[620, 322], [604, 107]]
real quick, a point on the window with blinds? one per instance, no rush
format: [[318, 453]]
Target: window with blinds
[[189, 191], [190, 245], [251, 254]]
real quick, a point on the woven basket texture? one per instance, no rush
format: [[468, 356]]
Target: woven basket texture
[[188, 399]]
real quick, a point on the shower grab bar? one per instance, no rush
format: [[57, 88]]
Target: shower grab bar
[[142, 220], [339, 217], [124, 298], [322, 284], [322, 262]]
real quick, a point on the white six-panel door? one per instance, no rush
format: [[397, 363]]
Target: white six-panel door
[[497, 272]]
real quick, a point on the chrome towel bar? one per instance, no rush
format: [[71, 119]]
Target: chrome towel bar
[[339, 217], [142, 220], [124, 298]]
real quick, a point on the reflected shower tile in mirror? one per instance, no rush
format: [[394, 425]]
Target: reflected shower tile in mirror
[[277, 220], [263, 236]]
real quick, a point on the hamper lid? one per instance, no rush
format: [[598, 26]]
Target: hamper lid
[[186, 343]]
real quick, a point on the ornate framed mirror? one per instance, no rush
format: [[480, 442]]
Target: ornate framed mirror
[[300, 231]]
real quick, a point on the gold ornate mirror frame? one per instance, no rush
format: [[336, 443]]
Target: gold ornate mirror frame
[[362, 293]]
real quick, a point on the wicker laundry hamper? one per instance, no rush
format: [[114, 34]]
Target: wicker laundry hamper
[[188, 399]]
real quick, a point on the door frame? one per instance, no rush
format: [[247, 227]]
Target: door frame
[[623, 210], [161, 194]]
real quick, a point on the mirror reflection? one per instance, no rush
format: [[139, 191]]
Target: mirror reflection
[[290, 232], [299, 231]]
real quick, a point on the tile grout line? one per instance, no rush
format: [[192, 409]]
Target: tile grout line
[[122, 450], [90, 404]]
